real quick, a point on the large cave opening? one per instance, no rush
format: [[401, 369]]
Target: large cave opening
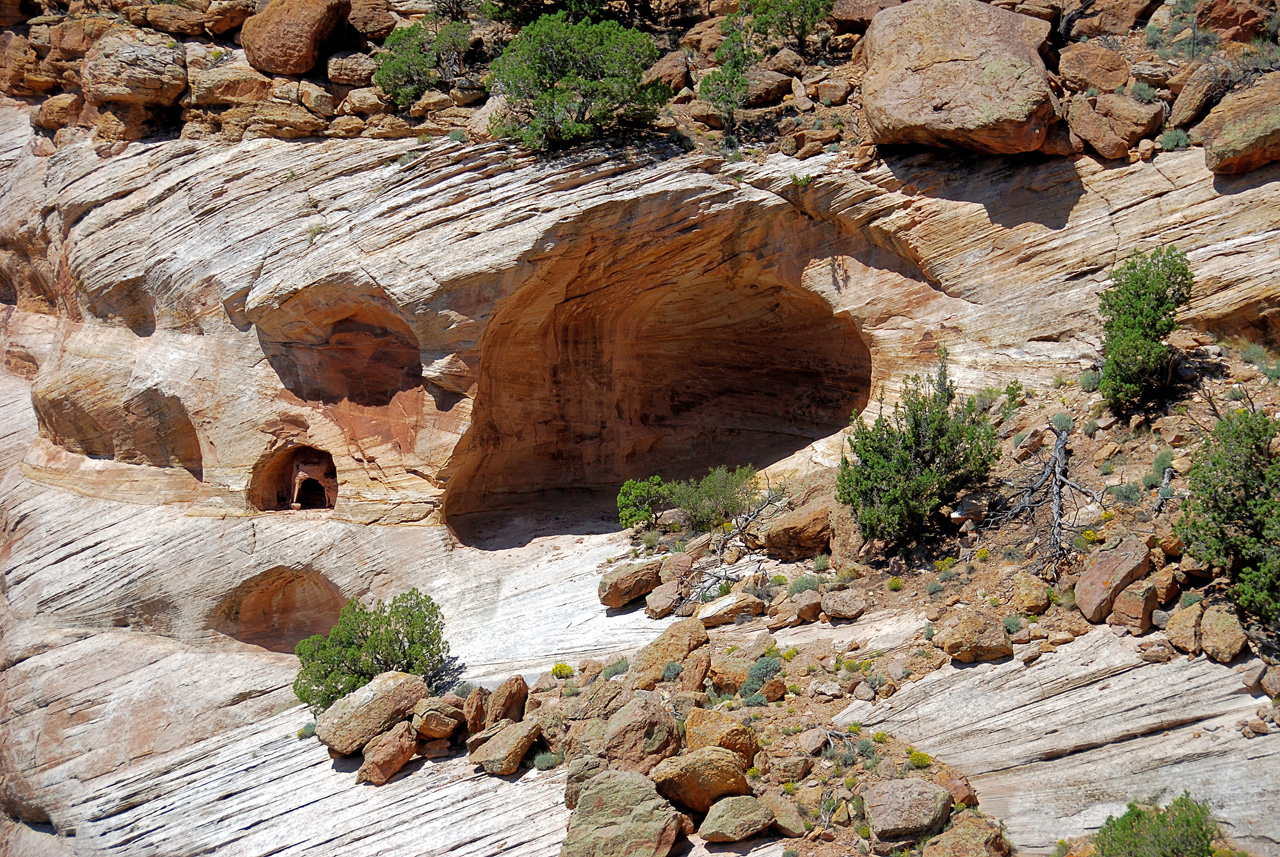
[[580, 392], [294, 477]]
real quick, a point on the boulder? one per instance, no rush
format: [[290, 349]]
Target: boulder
[[807, 606], [726, 610], [285, 37], [1113, 17], [774, 689], [1201, 91], [802, 533], [704, 728], [1095, 130], [355, 719], [473, 709], [132, 66], [672, 645], [623, 585], [58, 111], [697, 780], [971, 836], [672, 70], [1030, 594], [787, 820], [1271, 682], [1183, 628], [621, 814], [975, 637], [600, 700], [697, 666], [728, 672], [956, 73], [1233, 20], [508, 701], [662, 602], [502, 754], [386, 754], [1086, 65], [734, 819], [429, 102], [578, 773], [1107, 573], [957, 785], [350, 68], [675, 566], [640, 735], [1130, 120], [1221, 636], [222, 16], [434, 718], [1243, 132], [478, 740], [849, 15], [790, 769], [906, 809], [766, 87], [812, 741], [372, 19], [1133, 607], [225, 84], [833, 92]]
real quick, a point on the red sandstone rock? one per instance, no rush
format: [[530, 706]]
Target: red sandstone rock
[[285, 37], [386, 754]]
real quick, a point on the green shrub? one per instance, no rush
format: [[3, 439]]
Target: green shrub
[[1138, 312], [566, 82], [1184, 828], [672, 671], [308, 729], [638, 501], [804, 583], [420, 56], [1232, 516], [618, 667], [788, 19], [1012, 624], [1175, 139], [547, 761], [1090, 428], [1153, 36], [895, 584], [880, 737], [920, 760], [759, 673], [1089, 380], [933, 587], [949, 574], [1063, 422], [718, 497], [1190, 598], [405, 635], [1129, 493], [754, 700], [821, 563], [561, 671], [1143, 92], [907, 463], [725, 88]]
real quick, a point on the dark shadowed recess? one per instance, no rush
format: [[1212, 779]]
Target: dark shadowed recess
[[294, 477], [278, 608]]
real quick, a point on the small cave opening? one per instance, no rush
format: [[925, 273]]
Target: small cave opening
[[278, 608], [294, 477], [366, 357], [579, 393]]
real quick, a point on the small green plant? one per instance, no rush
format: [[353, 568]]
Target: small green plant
[[790, 653], [995, 601], [929, 632], [800, 181], [1143, 92], [1089, 380], [1174, 139], [315, 232], [716, 498], [547, 761], [420, 56], [650, 540], [791, 852], [1019, 438], [759, 673], [308, 729], [933, 587], [790, 788], [982, 555], [726, 87], [804, 583], [1154, 38], [941, 565], [616, 668], [821, 563], [1063, 422], [1012, 624], [778, 580], [864, 831], [1190, 598], [1012, 398], [919, 760], [1129, 493], [561, 671], [755, 700], [672, 671], [457, 135], [1090, 428], [880, 737], [895, 584], [1185, 828]]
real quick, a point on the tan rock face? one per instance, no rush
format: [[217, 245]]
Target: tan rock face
[[640, 735], [620, 812], [501, 755], [734, 819], [1183, 629], [1085, 65], [131, 66], [622, 585], [1095, 130], [1112, 17], [1030, 594], [698, 779], [1129, 119], [1221, 636], [906, 808], [976, 637], [386, 754], [802, 533], [705, 728], [285, 37], [361, 715], [956, 73], [672, 646], [1243, 132], [508, 701], [1107, 573]]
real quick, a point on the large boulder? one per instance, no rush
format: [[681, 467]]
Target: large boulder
[[850, 15], [132, 66], [727, 609], [1183, 628], [501, 754], [703, 728], [956, 73], [971, 836], [222, 83], [1030, 594], [435, 718], [1200, 92], [787, 820], [1086, 65], [800, 534], [672, 645], [386, 754], [624, 585], [843, 604], [729, 672], [663, 601], [1221, 636], [672, 70], [474, 708], [975, 637], [285, 37], [734, 819], [355, 719], [1107, 573], [1112, 17], [621, 814], [1243, 132], [1131, 120], [697, 780], [1092, 127], [766, 87], [1134, 606], [508, 701], [906, 809], [579, 772], [640, 735]]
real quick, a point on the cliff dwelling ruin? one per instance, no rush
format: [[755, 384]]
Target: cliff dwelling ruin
[[296, 477]]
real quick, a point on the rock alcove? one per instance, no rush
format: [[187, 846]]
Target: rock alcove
[[278, 608], [294, 477], [579, 392]]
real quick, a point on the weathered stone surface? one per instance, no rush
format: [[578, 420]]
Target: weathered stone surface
[[807, 606], [478, 740], [1183, 628], [857, 14], [725, 610], [971, 836], [1107, 573], [1134, 605], [225, 15], [703, 728], [1095, 130], [1130, 120], [386, 754], [1221, 636], [812, 741], [787, 820], [766, 87], [351, 69], [675, 566], [672, 645], [502, 754], [697, 666], [1233, 20], [223, 83], [1086, 65], [956, 73], [729, 672], [434, 718], [975, 637], [640, 735], [620, 814], [1271, 682], [906, 808], [601, 700], [1201, 91], [698, 779], [1030, 594], [507, 702], [958, 786], [285, 37], [672, 70], [843, 604], [579, 772], [1243, 132], [623, 585], [131, 66], [663, 601], [474, 709], [1112, 17], [800, 534], [355, 719], [733, 819]]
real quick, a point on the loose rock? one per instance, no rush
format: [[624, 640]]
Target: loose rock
[[386, 754], [698, 779], [734, 819], [355, 719]]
